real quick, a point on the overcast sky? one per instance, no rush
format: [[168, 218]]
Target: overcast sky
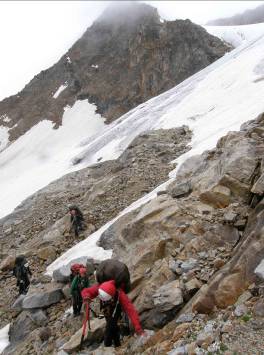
[[35, 34]]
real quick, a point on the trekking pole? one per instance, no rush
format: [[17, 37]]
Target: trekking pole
[[86, 318]]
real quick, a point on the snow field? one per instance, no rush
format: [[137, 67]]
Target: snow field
[[44, 154], [236, 35]]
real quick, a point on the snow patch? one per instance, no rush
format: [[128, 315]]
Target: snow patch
[[44, 154], [4, 338], [60, 89], [259, 271], [236, 35]]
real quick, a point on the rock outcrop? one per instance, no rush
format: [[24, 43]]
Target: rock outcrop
[[196, 241]]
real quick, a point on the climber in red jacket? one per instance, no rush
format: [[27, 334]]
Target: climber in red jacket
[[113, 301]]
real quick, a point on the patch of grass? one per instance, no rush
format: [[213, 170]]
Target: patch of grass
[[193, 336], [246, 317], [223, 347]]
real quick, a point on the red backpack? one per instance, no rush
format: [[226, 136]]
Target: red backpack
[[76, 267]]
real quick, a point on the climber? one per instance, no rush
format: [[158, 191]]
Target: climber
[[79, 282], [77, 220], [22, 271], [75, 270], [112, 302]]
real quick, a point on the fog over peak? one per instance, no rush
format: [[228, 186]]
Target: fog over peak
[[129, 12]]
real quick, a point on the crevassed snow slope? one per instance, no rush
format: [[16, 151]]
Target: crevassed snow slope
[[212, 102], [43, 154], [236, 35]]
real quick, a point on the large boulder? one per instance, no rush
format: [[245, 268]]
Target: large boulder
[[8, 263], [168, 296], [24, 324], [94, 335], [18, 304], [222, 175], [47, 253], [219, 196], [56, 231], [43, 295]]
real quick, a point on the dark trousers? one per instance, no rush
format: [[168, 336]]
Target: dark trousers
[[23, 285], [112, 333], [76, 302]]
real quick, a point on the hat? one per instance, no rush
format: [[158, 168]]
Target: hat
[[107, 290]]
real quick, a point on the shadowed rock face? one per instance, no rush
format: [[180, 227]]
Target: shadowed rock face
[[125, 58]]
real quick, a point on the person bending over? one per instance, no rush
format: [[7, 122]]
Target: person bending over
[[112, 301]]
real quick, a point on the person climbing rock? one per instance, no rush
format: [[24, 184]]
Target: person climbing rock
[[22, 271], [77, 220], [79, 282], [113, 301]]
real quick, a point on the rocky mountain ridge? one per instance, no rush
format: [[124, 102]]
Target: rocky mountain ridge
[[119, 62], [248, 17]]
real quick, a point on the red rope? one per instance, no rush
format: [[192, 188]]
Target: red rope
[[86, 318]]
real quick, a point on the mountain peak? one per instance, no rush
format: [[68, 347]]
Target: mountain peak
[[131, 12]]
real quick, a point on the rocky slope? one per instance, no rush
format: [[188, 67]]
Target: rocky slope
[[192, 251], [126, 57], [102, 191]]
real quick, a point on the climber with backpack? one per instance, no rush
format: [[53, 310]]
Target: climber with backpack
[[113, 300], [77, 220], [79, 282], [22, 271], [75, 270]]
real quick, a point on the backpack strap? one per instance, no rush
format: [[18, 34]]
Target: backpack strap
[[117, 303]]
